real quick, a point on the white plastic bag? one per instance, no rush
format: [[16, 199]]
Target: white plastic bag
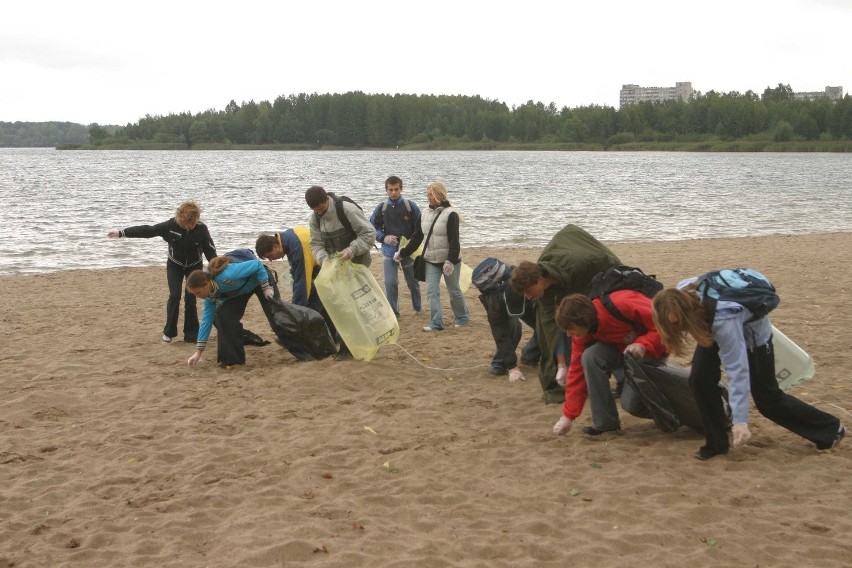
[[792, 364]]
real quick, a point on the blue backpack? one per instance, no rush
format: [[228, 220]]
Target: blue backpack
[[744, 286]]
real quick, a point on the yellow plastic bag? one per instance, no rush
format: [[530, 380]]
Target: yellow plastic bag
[[466, 272], [357, 306]]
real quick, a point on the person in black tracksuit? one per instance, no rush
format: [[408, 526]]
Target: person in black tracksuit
[[189, 241], [504, 308]]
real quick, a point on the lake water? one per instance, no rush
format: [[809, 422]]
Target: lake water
[[57, 206]]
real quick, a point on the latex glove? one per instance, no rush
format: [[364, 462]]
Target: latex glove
[[448, 267], [516, 375], [397, 257], [193, 361], [268, 292], [741, 434], [637, 350], [114, 234], [562, 426], [561, 374], [346, 254], [390, 240]]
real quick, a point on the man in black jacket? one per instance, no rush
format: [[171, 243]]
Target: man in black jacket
[[506, 309], [188, 240]]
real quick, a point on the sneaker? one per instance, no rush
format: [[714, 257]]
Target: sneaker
[[461, 324], [592, 431], [704, 453], [430, 328], [166, 339], [841, 432], [498, 371]]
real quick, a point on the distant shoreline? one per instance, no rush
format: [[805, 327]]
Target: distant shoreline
[[828, 146]]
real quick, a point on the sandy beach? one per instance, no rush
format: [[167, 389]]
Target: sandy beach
[[114, 453]]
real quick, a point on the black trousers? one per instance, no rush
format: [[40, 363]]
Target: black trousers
[[175, 274], [231, 350], [785, 410]]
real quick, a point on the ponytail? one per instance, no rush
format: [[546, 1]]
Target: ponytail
[[218, 264], [199, 278]]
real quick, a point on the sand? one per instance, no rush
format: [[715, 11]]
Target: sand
[[115, 453]]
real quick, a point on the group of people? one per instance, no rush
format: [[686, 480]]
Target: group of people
[[578, 342], [730, 337], [337, 226]]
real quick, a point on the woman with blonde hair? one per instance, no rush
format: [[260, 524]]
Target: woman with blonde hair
[[189, 241], [226, 287], [734, 339], [439, 223]]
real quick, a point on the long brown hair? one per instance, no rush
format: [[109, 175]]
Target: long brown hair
[[199, 278], [679, 314]]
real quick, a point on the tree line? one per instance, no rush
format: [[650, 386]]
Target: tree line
[[359, 120], [42, 134]]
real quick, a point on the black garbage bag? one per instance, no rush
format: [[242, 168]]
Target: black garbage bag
[[300, 330], [251, 338], [665, 391]]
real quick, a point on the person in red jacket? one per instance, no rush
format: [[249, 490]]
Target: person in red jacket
[[599, 340]]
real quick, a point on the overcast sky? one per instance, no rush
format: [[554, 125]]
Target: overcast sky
[[113, 62]]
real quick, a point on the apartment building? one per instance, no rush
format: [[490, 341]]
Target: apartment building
[[631, 94], [833, 93]]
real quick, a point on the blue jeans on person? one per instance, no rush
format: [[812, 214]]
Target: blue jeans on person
[[392, 283], [599, 362], [433, 295]]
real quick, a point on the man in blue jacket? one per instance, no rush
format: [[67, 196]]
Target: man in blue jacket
[[393, 218], [295, 244]]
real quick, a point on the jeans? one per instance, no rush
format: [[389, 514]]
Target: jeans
[[392, 283], [175, 275], [599, 362], [433, 295]]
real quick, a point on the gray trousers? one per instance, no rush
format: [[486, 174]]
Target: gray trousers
[[599, 362]]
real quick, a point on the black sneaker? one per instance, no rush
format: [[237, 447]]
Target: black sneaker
[[498, 371], [704, 453], [841, 432], [592, 431]]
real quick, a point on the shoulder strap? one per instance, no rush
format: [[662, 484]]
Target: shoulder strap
[[404, 200], [341, 214], [435, 220], [608, 304]]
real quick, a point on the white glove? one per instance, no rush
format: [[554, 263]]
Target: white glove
[[637, 350], [561, 373], [516, 375], [562, 426], [448, 267], [741, 434], [397, 257], [390, 240], [346, 254], [114, 234], [268, 292]]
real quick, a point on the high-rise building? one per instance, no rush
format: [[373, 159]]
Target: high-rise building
[[833, 93], [631, 94]]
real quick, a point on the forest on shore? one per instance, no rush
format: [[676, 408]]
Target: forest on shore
[[776, 120]]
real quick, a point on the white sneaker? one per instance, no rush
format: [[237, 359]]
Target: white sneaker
[[167, 339], [428, 328]]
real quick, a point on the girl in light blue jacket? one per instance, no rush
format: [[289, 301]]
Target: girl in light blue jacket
[[742, 345], [226, 288]]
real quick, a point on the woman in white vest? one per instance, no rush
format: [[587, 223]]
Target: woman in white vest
[[442, 254]]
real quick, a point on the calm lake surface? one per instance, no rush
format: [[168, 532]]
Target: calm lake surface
[[57, 206]]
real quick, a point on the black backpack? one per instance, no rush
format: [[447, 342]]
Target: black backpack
[[338, 206], [620, 277], [745, 286]]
